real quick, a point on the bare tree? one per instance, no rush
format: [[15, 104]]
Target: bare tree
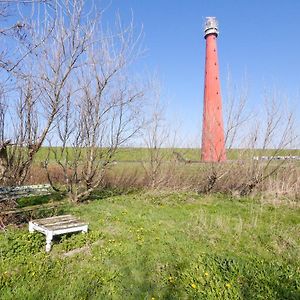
[[102, 113], [14, 30], [50, 56], [236, 113], [272, 133], [155, 135], [13, 33]]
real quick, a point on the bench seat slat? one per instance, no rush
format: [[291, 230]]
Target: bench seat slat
[[60, 223], [50, 219], [49, 222], [65, 226]]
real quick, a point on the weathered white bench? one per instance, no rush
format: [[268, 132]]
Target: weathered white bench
[[57, 226], [16, 192]]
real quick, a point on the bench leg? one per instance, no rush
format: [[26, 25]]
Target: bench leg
[[48, 242], [85, 229], [30, 227]]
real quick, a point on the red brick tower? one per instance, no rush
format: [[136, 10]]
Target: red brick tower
[[213, 144]]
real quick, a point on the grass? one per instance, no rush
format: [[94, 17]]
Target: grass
[[160, 246], [140, 154]]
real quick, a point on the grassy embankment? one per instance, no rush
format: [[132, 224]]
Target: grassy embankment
[[163, 246], [193, 154], [131, 162]]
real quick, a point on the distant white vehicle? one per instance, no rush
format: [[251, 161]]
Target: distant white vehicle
[[289, 157]]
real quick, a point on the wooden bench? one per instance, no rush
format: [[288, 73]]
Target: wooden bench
[[57, 226], [9, 195], [16, 192]]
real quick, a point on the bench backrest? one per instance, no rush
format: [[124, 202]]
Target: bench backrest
[[16, 192]]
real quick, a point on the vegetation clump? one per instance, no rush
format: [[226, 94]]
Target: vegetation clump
[[161, 246]]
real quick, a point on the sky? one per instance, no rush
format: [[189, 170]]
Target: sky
[[259, 45]]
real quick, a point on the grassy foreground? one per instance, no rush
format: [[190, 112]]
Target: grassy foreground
[[160, 246]]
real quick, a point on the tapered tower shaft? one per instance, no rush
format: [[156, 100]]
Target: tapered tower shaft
[[213, 144]]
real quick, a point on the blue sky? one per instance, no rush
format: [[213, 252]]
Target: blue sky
[[258, 39]]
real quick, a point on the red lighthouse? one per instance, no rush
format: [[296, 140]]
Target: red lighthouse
[[213, 144]]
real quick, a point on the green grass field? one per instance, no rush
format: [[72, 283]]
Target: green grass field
[[160, 246], [140, 154]]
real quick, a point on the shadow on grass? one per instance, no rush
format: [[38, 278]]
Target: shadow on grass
[[229, 278], [111, 192], [38, 200]]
